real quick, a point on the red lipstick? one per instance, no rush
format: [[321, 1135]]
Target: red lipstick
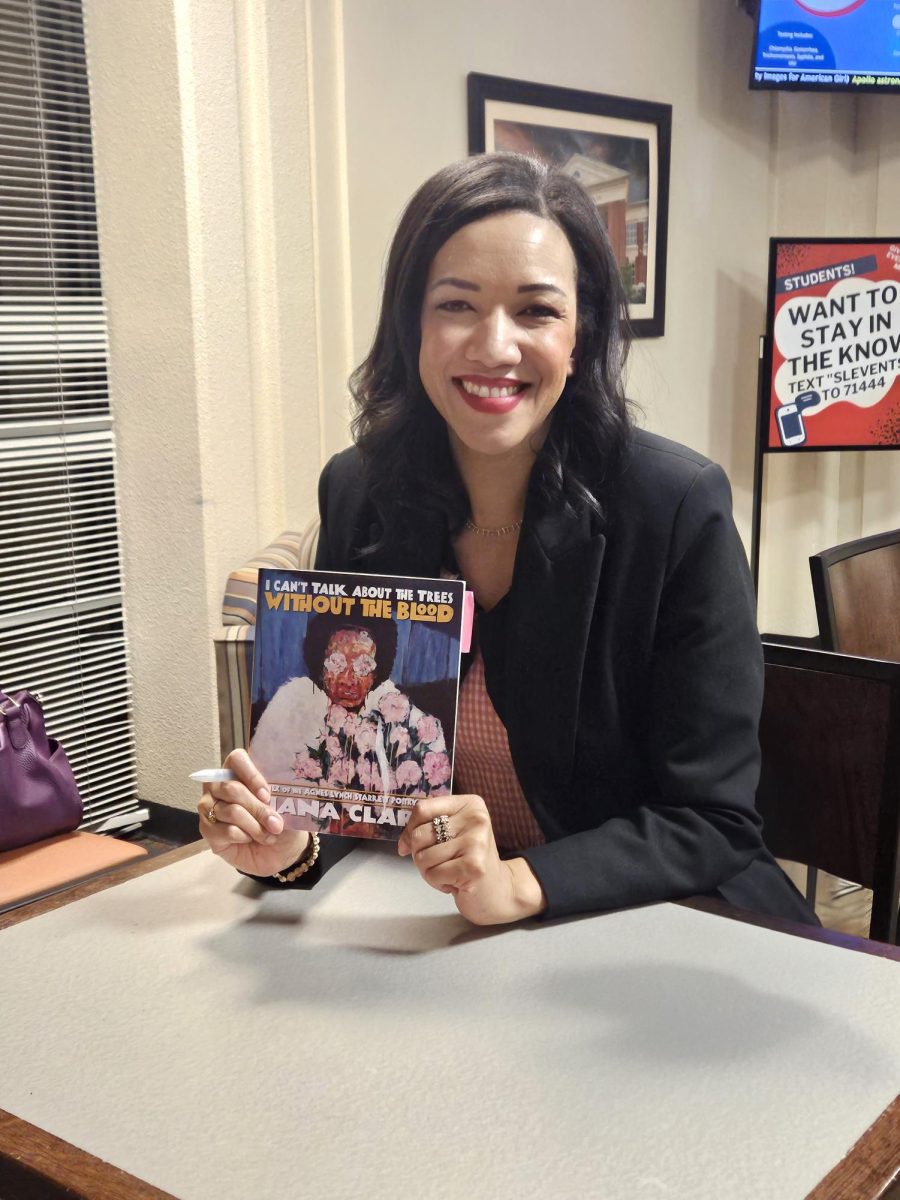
[[496, 405]]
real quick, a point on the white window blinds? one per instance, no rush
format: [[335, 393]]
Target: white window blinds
[[61, 627]]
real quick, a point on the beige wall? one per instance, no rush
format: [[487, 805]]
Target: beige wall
[[406, 116], [252, 159], [745, 166]]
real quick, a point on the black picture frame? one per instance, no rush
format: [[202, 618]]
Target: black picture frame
[[619, 148]]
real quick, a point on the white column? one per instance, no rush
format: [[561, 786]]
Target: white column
[[205, 201]]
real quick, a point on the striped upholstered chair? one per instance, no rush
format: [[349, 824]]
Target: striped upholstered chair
[[234, 641]]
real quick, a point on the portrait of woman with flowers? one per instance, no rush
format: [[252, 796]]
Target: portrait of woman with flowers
[[347, 724]]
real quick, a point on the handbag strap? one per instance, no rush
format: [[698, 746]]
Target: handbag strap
[[16, 721]]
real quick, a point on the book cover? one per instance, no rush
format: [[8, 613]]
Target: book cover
[[355, 687]]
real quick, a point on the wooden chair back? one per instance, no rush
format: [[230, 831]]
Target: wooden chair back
[[857, 592], [829, 792]]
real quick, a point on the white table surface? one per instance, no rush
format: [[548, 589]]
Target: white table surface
[[362, 1039]]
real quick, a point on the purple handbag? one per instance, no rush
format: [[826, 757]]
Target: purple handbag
[[38, 793]]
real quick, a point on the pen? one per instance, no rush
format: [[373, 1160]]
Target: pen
[[213, 775]]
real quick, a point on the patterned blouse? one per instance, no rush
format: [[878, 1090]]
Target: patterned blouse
[[483, 765]]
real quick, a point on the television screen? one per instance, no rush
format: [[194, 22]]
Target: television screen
[[827, 45], [832, 350]]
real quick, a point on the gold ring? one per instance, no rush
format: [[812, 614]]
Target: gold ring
[[441, 829], [211, 813]]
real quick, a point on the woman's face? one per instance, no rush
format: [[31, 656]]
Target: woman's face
[[498, 332], [349, 668]]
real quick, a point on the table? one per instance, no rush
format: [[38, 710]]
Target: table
[[395, 1051]]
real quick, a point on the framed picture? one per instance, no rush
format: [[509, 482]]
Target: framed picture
[[617, 148]]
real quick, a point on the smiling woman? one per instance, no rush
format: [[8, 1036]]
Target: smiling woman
[[606, 750]]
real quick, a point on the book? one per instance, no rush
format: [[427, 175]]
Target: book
[[354, 696]]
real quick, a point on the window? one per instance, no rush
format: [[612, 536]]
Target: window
[[61, 623]]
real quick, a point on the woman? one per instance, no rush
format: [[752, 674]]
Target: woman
[[618, 670]]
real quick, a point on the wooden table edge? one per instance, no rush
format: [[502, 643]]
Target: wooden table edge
[[37, 1165], [97, 883], [864, 1173], [872, 1164], [830, 937], [863, 1168]]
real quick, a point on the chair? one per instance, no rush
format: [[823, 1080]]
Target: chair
[[234, 641], [857, 593], [829, 791]]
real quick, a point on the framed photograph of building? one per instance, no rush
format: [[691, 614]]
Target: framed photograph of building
[[617, 148]]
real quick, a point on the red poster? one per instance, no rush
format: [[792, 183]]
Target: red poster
[[834, 344]]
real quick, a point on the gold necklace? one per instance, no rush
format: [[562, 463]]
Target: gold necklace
[[497, 531]]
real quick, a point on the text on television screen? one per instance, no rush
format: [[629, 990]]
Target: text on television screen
[[831, 45]]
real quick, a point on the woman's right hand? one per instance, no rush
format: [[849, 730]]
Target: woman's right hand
[[246, 832]]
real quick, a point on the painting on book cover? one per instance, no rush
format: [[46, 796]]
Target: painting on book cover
[[355, 685]]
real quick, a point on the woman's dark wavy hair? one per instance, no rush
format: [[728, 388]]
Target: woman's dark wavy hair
[[402, 438], [322, 627]]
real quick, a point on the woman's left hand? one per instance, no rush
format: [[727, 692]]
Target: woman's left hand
[[487, 889]]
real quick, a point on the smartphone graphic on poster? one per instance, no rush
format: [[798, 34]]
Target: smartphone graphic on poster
[[807, 400], [791, 429]]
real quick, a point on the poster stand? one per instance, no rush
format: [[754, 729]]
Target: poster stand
[[829, 374], [758, 456]]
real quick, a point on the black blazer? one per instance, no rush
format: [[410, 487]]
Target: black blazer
[[626, 665]]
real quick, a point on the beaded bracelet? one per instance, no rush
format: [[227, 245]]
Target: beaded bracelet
[[303, 863]]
